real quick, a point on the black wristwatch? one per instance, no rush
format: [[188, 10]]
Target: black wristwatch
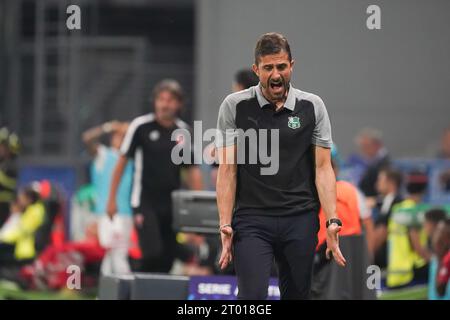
[[334, 220]]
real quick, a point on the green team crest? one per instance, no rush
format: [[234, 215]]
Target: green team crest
[[294, 122]]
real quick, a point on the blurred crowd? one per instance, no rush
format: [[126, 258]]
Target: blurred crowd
[[407, 237]]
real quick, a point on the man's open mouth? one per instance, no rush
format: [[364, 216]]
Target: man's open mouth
[[276, 84]]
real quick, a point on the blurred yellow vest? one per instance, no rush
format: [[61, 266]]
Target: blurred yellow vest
[[23, 235], [402, 259]]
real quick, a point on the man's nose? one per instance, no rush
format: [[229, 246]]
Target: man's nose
[[276, 75]]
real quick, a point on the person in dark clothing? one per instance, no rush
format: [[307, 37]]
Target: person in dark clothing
[[244, 79], [149, 142], [265, 213], [388, 186], [376, 156]]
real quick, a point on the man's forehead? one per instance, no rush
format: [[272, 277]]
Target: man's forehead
[[276, 58], [166, 94]]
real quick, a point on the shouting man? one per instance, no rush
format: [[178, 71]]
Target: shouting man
[[263, 217]]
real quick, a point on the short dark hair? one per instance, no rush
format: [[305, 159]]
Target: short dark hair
[[170, 85], [271, 43], [416, 182], [435, 215], [393, 175], [246, 78]]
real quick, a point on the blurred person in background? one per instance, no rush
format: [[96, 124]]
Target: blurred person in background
[[9, 150], [388, 186], [408, 254], [243, 79], [148, 141], [433, 218], [375, 156], [114, 235], [17, 243], [49, 269], [441, 246], [13, 220], [444, 154]]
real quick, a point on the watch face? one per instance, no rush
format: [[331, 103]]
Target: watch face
[[337, 221]]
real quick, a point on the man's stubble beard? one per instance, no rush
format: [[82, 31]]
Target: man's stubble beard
[[283, 95]]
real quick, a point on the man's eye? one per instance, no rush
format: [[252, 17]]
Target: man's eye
[[267, 68], [282, 67]]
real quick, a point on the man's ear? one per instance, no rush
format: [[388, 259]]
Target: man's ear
[[255, 69], [292, 64]]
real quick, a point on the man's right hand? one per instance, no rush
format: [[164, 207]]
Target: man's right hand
[[226, 257], [111, 126], [111, 209]]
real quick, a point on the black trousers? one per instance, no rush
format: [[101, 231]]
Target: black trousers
[[157, 239], [291, 240]]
